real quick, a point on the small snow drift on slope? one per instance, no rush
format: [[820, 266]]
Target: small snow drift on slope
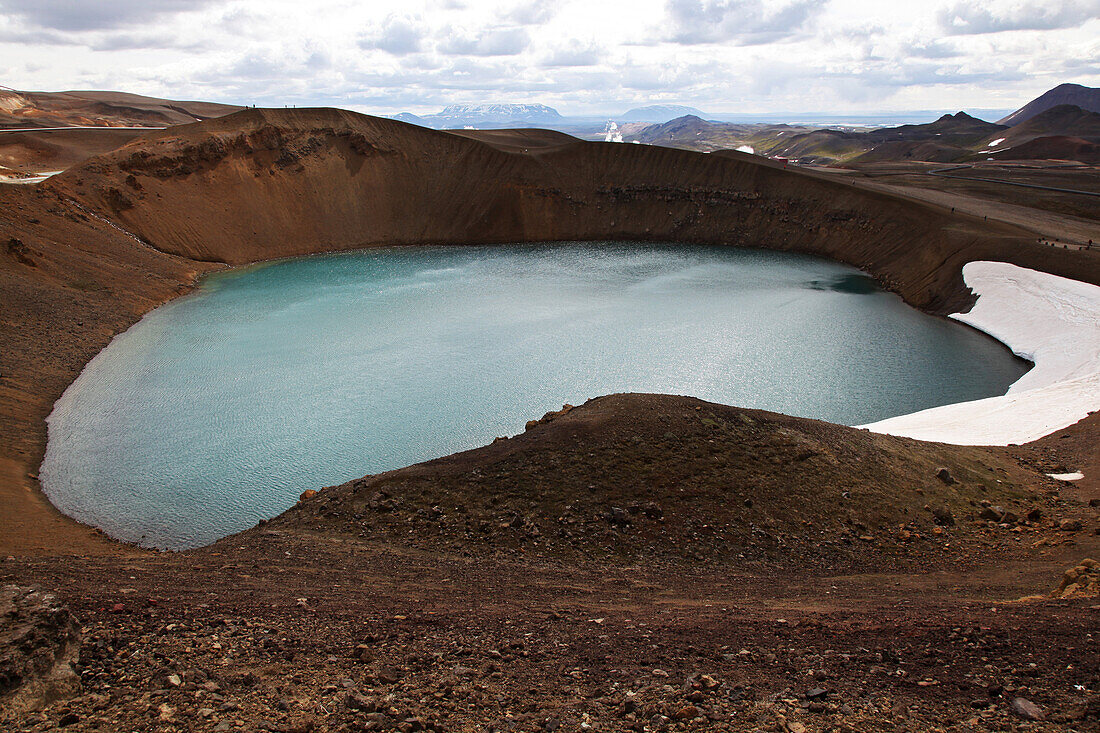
[[1050, 320]]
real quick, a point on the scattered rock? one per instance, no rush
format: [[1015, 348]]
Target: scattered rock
[[943, 516], [388, 675], [993, 514], [1081, 581], [1027, 710], [356, 701], [617, 516]]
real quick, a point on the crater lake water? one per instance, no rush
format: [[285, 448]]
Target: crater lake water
[[220, 408]]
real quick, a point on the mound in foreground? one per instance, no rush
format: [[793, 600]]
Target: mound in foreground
[[654, 479]]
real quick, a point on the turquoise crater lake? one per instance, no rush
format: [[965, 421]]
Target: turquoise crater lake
[[220, 408]]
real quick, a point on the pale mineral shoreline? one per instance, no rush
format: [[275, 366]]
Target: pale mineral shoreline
[[1051, 321]]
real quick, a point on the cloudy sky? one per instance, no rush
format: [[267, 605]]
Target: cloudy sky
[[580, 56]]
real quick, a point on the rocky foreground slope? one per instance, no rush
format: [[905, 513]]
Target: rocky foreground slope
[[640, 562], [654, 479]]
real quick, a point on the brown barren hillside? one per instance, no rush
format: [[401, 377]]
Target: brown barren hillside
[[100, 108], [31, 152], [33, 138]]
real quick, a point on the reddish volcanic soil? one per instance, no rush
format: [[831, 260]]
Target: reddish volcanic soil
[[638, 562]]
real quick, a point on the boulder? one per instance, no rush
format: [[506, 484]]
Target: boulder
[[1081, 581], [993, 514], [943, 516]]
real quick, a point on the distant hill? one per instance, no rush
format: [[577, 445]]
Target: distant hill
[[101, 109], [411, 119], [947, 139], [694, 133], [1064, 120], [1064, 132], [658, 113], [1087, 98], [457, 116], [951, 137], [1053, 147], [99, 122], [681, 129]]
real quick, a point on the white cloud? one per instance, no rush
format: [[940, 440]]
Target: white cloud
[[739, 21], [75, 15], [574, 52], [484, 42], [397, 35], [969, 18], [721, 56]]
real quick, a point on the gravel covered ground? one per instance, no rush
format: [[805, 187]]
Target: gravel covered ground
[[356, 611]]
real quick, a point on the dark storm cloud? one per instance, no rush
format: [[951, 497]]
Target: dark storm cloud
[[399, 36], [970, 18], [745, 22], [92, 15]]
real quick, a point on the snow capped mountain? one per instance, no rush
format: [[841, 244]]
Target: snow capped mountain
[[486, 115], [501, 112]]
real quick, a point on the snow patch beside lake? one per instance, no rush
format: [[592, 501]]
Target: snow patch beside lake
[[1052, 321]]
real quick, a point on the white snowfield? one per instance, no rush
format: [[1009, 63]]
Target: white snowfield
[[1049, 320]]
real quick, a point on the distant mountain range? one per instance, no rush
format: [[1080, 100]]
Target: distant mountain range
[[1063, 123], [527, 115], [1061, 132]]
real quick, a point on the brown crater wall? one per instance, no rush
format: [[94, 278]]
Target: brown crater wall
[[84, 255]]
